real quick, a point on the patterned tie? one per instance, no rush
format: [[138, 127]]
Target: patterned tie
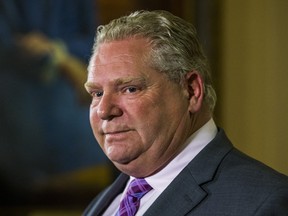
[[131, 202]]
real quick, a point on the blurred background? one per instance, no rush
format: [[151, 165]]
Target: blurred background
[[50, 163]]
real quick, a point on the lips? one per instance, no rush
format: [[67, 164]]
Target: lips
[[116, 136], [115, 131]]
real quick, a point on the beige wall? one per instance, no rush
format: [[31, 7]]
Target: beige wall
[[254, 77]]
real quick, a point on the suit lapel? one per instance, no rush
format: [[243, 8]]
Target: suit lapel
[[186, 191], [179, 198], [101, 202]]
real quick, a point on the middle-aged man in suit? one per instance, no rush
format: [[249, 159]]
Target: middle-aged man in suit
[[151, 112]]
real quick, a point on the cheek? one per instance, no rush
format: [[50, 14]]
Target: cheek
[[94, 122], [161, 120], [92, 118], [148, 121]]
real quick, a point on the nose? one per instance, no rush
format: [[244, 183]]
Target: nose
[[108, 108]]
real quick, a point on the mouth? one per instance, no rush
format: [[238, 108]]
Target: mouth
[[116, 136], [115, 132]]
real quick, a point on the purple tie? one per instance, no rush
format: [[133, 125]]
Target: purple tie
[[131, 202]]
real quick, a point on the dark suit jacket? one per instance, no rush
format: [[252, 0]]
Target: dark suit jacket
[[219, 181]]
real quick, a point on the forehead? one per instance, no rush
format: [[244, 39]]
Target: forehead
[[125, 56], [129, 50]]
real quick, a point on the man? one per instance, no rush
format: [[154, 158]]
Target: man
[[151, 112]]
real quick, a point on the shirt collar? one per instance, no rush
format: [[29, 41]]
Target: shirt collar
[[195, 143]]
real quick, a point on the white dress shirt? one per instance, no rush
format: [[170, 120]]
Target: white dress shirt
[[159, 181]]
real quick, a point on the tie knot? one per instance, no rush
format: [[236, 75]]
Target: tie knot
[[138, 188], [131, 202]]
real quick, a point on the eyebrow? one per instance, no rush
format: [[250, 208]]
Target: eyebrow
[[89, 85], [128, 80], [118, 82]]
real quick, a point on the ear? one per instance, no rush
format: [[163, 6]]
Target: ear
[[195, 88]]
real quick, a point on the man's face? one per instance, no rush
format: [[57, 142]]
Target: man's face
[[138, 116]]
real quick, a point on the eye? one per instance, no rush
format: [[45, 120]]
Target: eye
[[97, 94], [131, 89]]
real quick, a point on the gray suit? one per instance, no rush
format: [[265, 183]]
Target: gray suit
[[219, 181]]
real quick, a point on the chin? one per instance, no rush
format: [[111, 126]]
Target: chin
[[131, 169]]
